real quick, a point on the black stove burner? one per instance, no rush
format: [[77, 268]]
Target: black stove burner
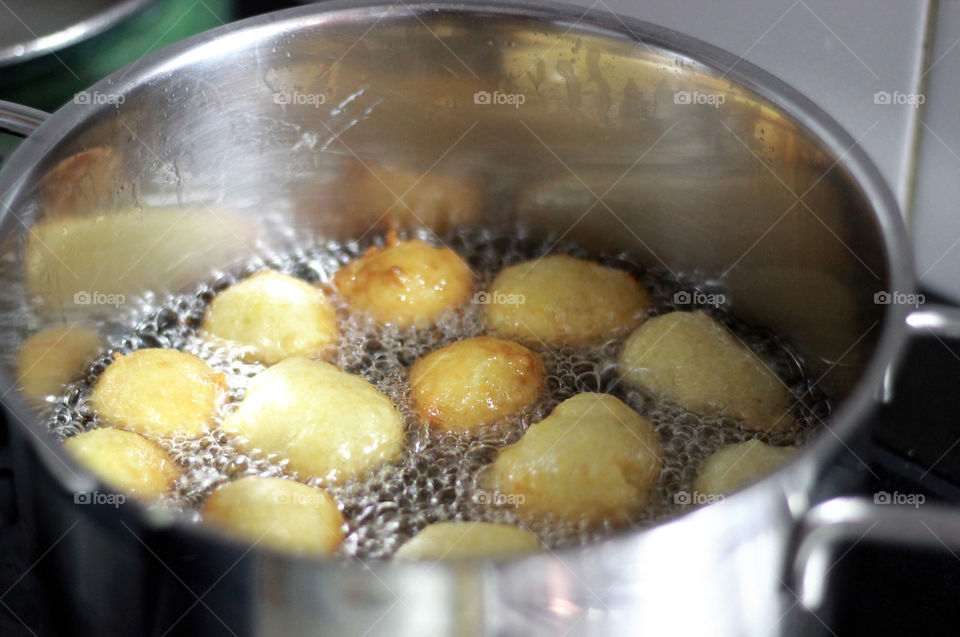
[[23, 606]]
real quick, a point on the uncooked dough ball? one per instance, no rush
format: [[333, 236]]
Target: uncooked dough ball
[[329, 424], [52, 358], [592, 460], [277, 513], [734, 466], [125, 461], [159, 392], [474, 382], [407, 283], [450, 540], [275, 315], [562, 300], [691, 359]]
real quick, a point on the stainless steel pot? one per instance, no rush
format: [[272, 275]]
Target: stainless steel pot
[[627, 136]]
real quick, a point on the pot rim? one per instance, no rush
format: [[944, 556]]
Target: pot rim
[[87, 28], [842, 424]]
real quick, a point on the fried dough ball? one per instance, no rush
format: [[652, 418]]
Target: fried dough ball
[[474, 382], [329, 424], [562, 300], [449, 540], [52, 358], [277, 513], [691, 359], [407, 283], [734, 466], [275, 315], [159, 392], [125, 461], [592, 460]]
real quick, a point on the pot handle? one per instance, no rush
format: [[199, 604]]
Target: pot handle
[[940, 320], [854, 519], [934, 318], [20, 120]]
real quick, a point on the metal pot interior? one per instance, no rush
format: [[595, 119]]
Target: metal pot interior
[[195, 159]]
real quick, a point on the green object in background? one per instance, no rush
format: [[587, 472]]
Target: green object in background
[[8, 144], [52, 79]]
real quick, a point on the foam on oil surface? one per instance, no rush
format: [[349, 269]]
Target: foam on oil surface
[[436, 479]]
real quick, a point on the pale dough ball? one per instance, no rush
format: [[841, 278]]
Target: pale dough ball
[[277, 513], [450, 540], [275, 315], [159, 392], [329, 424], [562, 300], [734, 466], [593, 459], [691, 359], [52, 358], [474, 382], [125, 461], [407, 283]]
